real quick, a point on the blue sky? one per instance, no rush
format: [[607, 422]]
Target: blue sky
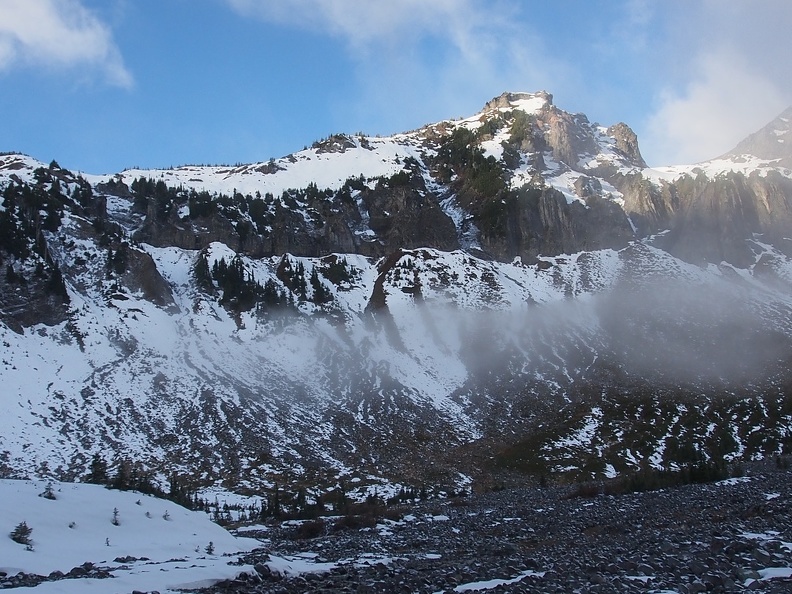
[[100, 85]]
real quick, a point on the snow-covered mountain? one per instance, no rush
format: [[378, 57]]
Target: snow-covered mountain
[[516, 289]]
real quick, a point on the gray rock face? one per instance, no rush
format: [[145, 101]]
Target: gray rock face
[[406, 217], [711, 220], [196, 233], [25, 302], [143, 276], [403, 215], [542, 222], [569, 136]]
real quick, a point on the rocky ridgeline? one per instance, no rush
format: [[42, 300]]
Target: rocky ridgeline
[[730, 536]]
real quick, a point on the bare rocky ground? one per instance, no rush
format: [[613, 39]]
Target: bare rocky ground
[[730, 536]]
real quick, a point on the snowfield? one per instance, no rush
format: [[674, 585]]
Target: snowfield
[[169, 542]]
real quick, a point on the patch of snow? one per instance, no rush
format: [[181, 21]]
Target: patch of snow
[[77, 527], [495, 583], [532, 104], [734, 481], [771, 573], [298, 564]]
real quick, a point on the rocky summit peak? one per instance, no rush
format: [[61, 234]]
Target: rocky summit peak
[[528, 102]]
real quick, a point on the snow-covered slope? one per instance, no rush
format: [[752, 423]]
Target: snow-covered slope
[[328, 165], [117, 541]]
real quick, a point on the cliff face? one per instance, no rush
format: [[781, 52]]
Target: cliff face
[[542, 222], [712, 219]]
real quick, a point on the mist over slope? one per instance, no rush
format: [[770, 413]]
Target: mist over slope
[[514, 287]]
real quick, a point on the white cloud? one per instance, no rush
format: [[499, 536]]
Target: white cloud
[[728, 75], [56, 34], [360, 23], [724, 103]]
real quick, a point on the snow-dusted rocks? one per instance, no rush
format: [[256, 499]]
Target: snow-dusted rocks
[[729, 536]]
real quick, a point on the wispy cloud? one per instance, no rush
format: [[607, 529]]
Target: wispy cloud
[[725, 102], [365, 23], [58, 34], [420, 57], [733, 76]]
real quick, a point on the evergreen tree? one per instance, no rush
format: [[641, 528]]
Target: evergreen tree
[[163, 201], [21, 534], [220, 271], [98, 473], [301, 287], [12, 235], [83, 193], [270, 294], [203, 276], [121, 479], [320, 293], [342, 501], [275, 506], [200, 204], [48, 493], [117, 261]]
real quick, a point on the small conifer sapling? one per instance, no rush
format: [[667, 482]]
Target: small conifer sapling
[[21, 534], [48, 493]]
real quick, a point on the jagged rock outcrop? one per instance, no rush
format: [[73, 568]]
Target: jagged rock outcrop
[[711, 219], [627, 143], [30, 297], [568, 136], [141, 275], [196, 234]]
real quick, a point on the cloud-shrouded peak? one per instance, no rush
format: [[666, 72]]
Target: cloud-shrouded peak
[[728, 100], [774, 141], [58, 34]]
